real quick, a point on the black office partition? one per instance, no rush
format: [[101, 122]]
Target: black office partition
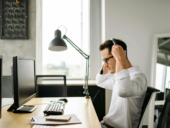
[[52, 90]]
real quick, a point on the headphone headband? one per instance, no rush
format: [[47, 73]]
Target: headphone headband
[[113, 40]]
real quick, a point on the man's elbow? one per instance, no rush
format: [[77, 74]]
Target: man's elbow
[[97, 83], [123, 93], [100, 85], [120, 94]]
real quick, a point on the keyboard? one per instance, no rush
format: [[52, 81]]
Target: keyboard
[[55, 108], [42, 126]]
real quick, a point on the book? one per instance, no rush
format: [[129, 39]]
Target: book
[[59, 118]]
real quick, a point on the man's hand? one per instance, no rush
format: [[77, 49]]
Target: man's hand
[[118, 52], [120, 57], [105, 69]]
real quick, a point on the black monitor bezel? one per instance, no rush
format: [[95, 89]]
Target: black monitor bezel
[[18, 104], [1, 57]]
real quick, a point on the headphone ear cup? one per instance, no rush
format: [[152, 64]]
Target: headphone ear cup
[[101, 71]]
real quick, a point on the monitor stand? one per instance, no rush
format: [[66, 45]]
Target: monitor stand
[[23, 109]]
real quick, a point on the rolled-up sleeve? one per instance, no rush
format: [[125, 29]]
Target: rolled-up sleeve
[[128, 87], [104, 81]]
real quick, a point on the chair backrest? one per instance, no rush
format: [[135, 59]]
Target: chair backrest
[[59, 90], [164, 120], [148, 96]]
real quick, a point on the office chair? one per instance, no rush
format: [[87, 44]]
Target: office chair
[[164, 120], [150, 93], [51, 90]]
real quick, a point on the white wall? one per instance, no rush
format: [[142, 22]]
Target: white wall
[[136, 23], [95, 37]]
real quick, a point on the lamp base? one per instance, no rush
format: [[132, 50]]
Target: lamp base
[[87, 95]]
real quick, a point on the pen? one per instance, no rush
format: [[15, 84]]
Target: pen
[[33, 120]]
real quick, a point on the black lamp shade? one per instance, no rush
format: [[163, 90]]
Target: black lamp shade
[[57, 44]]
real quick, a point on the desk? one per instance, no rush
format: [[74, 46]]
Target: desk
[[48, 88], [158, 108], [80, 106], [159, 102]]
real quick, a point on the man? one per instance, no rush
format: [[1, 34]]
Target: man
[[128, 85]]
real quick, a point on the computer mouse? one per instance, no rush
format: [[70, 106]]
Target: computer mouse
[[65, 100]]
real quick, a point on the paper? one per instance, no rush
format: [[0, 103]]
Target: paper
[[59, 118], [42, 120]]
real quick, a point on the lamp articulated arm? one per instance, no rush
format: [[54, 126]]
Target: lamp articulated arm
[[87, 64]]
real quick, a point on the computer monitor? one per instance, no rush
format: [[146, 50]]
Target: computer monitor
[[23, 73], [0, 84]]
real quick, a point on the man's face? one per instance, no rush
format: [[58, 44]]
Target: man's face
[[111, 62]]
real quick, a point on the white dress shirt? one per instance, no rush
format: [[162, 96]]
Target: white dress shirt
[[128, 92]]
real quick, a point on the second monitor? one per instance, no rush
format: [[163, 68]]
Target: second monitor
[[23, 73]]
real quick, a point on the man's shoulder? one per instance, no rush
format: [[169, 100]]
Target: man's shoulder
[[139, 75], [135, 71]]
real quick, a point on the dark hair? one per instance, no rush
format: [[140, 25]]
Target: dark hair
[[108, 44]]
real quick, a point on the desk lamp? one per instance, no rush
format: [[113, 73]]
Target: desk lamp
[[58, 44]]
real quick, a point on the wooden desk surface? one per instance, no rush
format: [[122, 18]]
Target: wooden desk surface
[[80, 106]]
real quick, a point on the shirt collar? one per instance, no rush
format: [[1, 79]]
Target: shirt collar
[[133, 69]]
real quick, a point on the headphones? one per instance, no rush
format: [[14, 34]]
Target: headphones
[[114, 42]]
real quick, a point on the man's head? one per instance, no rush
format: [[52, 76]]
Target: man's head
[[106, 49]]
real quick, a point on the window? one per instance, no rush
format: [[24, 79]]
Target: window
[[168, 77], [160, 69], [74, 15]]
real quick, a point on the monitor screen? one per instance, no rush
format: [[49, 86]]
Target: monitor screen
[[26, 79], [24, 89], [0, 84]]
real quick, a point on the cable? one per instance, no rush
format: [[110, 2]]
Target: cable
[[95, 95]]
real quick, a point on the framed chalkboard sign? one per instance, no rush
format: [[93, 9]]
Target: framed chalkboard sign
[[13, 19]]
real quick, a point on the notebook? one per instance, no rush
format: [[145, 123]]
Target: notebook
[[59, 118], [42, 120]]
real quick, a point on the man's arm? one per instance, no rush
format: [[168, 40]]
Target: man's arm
[[130, 87], [104, 81], [120, 57], [127, 87]]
